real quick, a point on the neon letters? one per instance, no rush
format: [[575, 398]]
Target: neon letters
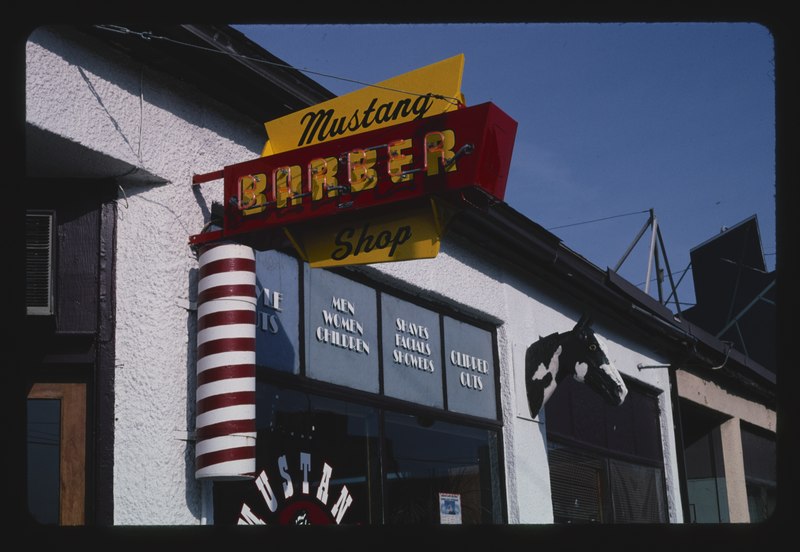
[[353, 171]]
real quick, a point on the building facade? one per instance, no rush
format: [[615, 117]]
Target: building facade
[[391, 393]]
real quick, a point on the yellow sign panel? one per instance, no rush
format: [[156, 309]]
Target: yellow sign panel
[[411, 234], [430, 90]]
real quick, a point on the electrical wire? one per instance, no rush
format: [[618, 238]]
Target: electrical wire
[[598, 220], [146, 35], [727, 355]]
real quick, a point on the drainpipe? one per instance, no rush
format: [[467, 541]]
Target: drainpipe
[[679, 445]]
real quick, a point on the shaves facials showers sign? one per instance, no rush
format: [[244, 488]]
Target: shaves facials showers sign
[[412, 352]]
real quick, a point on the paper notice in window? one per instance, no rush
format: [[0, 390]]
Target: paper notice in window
[[450, 508]]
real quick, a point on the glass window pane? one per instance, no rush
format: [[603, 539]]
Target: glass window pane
[[707, 497], [578, 413], [637, 493], [588, 413], [760, 470], [760, 455], [44, 438], [575, 485], [425, 458], [312, 453], [761, 501], [643, 408]]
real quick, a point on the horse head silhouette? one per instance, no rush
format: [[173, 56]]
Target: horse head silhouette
[[578, 352]]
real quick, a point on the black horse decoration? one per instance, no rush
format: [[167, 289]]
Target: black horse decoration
[[578, 352]]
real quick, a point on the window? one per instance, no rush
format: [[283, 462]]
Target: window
[[637, 492], [304, 440], [427, 459], [39, 230], [44, 446], [605, 462], [575, 481], [379, 409], [707, 496], [324, 460], [759, 451], [56, 440]]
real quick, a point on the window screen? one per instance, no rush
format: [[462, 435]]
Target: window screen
[[39, 262], [637, 493], [605, 461], [575, 485]]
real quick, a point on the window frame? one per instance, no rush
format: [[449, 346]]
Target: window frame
[[561, 439], [383, 406], [72, 449], [50, 308]]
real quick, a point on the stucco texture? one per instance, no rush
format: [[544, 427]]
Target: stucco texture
[[164, 132]]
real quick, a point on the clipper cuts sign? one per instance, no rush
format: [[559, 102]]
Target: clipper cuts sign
[[367, 177]]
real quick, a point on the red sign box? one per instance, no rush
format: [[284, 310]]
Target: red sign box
[[387, 168]]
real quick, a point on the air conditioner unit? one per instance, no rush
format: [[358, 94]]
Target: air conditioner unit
[[39, 257]]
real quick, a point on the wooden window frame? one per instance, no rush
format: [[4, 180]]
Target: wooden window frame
[[72, 457]]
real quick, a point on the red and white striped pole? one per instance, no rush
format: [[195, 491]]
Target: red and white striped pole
[[225, 421]]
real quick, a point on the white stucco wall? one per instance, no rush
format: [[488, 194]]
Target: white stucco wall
[[167, 131], [170, 132]]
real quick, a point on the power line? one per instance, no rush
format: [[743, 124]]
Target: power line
[[147, 35], [598, 220]]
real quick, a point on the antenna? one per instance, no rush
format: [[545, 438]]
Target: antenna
[[653, 258]]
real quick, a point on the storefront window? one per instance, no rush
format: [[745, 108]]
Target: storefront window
[[322, 460], [437, 468], [370, 408], [317, 462]]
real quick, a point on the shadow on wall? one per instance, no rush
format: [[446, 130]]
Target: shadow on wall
[[193, 489], [138, 80]]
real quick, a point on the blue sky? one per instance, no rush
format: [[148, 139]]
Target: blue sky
[[614, 119]]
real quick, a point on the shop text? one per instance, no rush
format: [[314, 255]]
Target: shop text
[[269, 320], [353, 171], [340, 327], [324, 123], [411, 346], [301, 471], [367, 242], [473, 368]]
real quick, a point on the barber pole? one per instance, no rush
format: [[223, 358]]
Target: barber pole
[[226, 385]]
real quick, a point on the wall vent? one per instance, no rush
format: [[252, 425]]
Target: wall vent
[[39, 231]]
